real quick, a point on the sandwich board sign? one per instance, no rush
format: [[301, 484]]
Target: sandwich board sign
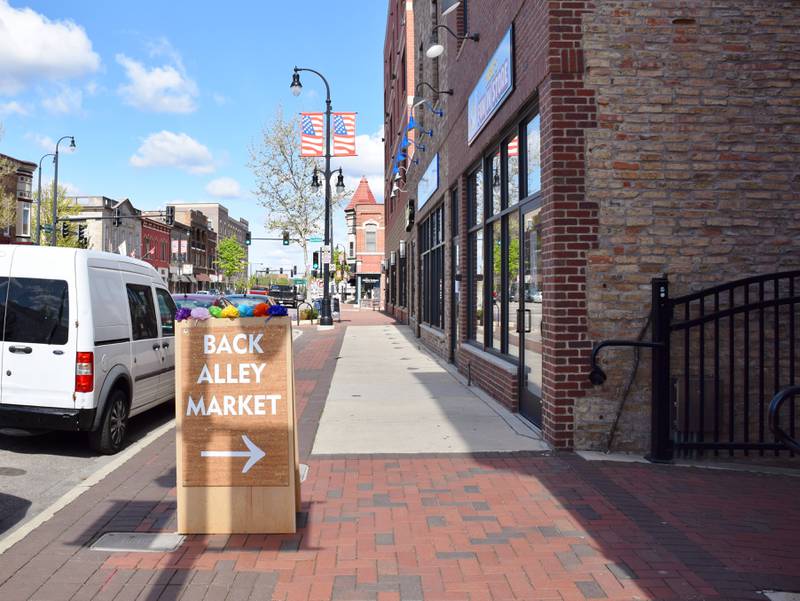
[[237, 455]]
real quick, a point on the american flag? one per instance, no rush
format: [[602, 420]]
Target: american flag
[[344, 134], [513, 147], [311, 135]]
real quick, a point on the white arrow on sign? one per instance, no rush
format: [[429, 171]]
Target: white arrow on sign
[[253, 453]]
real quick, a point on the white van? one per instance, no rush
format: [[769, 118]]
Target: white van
[[87, 341]]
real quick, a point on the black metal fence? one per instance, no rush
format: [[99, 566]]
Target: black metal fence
[[720, 355]]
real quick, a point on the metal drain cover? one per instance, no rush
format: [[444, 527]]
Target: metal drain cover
[[157, 542]]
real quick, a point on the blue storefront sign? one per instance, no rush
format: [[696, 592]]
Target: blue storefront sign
[[428, 183], [494, 86]]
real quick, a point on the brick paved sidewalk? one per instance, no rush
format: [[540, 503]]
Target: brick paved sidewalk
[[447, 527]]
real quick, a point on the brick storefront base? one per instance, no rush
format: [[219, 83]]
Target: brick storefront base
[[399, 313], [496, 377]]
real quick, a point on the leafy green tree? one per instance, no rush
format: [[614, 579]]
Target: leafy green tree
[[67, 207], [230, 257], [513, 259]]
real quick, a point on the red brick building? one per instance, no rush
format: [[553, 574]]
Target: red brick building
[[398, 81], [156, 245], [573, 151], [365, 242]]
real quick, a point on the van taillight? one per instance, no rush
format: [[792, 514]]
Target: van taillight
[[84, 372]]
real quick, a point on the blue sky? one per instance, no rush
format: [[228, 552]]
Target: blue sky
[[164, 98]]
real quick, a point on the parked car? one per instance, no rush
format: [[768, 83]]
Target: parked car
[[249, 299], [98, 326], [284, 294], [195, 300]]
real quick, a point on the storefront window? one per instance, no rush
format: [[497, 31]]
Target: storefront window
[[533, 156], [512, 262], [456, 265], [512, 169], [495, 244], [497, 177], [432, 268], [497, 284], [476, 197], [476, 252]]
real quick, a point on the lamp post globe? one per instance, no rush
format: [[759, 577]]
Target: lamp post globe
[[340, 182], [434, 51], [296, 87]]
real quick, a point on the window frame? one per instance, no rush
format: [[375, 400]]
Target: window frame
[[130, 287], [170, 305], [432, 239], [486, 225]]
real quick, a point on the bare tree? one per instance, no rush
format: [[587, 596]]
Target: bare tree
[[283, 182], [8, 190]]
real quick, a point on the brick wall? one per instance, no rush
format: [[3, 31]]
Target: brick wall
[[694, 167]]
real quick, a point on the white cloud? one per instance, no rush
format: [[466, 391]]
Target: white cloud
[[219, 99], [68, 100], [12, 108], [164, 89], [368, 163], [224, 187], [170, 149], [45, 143], [32, 48]]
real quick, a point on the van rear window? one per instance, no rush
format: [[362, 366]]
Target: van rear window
[[37, 311]]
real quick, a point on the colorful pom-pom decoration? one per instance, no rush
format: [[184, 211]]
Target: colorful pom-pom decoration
[[200, 313], [278, 310], [215, 311], [230, 311], [182, 314], [245, 310], [261, 309]]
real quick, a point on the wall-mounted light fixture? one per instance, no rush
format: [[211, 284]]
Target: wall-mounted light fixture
[[434, 90], [436, 49], [393, 258], [402, 250]]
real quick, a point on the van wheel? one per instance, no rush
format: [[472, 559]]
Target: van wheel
[[109, 438]]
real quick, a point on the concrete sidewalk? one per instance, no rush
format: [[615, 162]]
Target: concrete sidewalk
[[388, 396]]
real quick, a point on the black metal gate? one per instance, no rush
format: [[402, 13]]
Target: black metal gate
[[723, 353]]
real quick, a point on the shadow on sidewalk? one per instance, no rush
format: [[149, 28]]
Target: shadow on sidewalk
[[12, 511]]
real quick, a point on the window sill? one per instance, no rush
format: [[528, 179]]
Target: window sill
[[433, 331], [499, 362]]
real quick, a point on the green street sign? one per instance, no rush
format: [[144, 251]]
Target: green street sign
[[315, 239], [299, 281], [47, 228]]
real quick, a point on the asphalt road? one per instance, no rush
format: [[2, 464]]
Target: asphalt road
[[36, 470]]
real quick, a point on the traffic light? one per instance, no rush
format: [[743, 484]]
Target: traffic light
[[82, 240], [266, 270], [286, 237], [117, 219], [315, 260], [294, 271], [281, 270], [65, 229], [248, 239], [169, 218]]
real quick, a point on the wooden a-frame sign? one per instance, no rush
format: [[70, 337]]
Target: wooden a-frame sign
[[236, 432]]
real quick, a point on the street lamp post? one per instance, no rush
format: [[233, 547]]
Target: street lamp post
[[55, 187], [39, 201], [326, 317]]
